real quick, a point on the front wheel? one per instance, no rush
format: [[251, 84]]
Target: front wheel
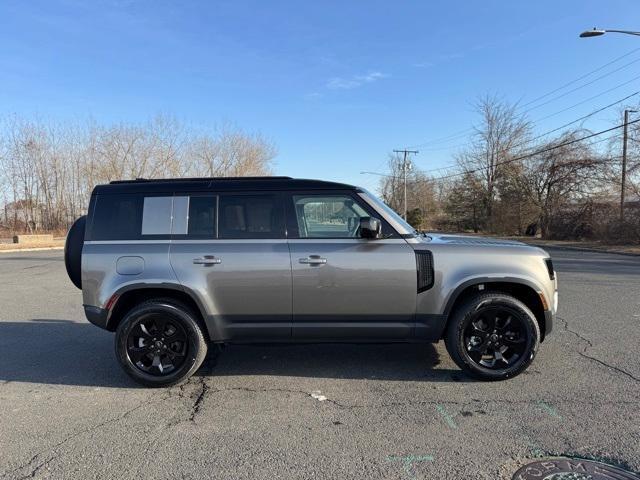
[[493, 336], [160, 343]]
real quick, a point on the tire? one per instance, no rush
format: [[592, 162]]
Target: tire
[[470, 333], [73, 251], [160, 321]]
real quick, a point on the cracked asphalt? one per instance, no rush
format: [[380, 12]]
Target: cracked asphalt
[[318, 411]]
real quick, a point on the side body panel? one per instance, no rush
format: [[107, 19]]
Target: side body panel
[[247, 295], [366, 289], [104, 272]]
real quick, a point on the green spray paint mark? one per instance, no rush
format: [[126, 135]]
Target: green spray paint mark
[[535, 450], [408, 461], [447, 418], [549, 409]]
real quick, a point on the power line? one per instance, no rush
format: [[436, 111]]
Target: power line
[[589, 99], [462, 133], [582, 86], [616, 137], [538, 152], [594, 112], [555, 113], [582, 77], [584, 117]]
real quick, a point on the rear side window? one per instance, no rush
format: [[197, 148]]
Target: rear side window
[[251, 216], [202, 217], [117, 217], [156, 215], [139, 217]]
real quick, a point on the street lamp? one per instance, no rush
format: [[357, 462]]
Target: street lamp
[[596, 32]]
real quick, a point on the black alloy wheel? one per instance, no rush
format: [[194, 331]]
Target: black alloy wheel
[[157, 344], [493, 336], [160, 343]]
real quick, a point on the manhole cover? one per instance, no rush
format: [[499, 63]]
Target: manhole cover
[[571, 469]]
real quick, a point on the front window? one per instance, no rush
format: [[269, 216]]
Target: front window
[[328, 216]]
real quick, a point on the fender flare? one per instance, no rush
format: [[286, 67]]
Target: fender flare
[[113, 303], [453, 297]]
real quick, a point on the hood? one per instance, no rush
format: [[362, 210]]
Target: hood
[[472, 240]]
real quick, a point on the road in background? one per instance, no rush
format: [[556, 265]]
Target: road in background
[[321, 411]]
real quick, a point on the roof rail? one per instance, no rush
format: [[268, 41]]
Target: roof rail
[[197, 179]]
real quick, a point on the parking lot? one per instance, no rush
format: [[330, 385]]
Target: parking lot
[[319, 411]]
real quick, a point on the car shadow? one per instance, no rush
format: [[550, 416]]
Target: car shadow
[[65, 352], [379, 361]]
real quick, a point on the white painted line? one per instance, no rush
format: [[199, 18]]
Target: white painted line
[[316, 394]]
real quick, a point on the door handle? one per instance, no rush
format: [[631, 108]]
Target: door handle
[[207, 260], [313, 260]]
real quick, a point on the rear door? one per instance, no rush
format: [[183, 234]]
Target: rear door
[[344, 286], [233, 254]]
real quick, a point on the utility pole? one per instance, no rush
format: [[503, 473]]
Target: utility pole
[[624, 162], [405, 166]]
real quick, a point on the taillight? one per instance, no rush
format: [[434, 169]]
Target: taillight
[[111, 302]]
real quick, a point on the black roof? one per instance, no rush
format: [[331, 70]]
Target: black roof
[[170, 185]]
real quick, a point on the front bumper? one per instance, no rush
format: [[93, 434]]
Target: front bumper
[[96, 315]]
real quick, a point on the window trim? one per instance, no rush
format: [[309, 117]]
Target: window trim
[[292, 220]]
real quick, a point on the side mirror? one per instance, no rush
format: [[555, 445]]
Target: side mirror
[[370, 227]]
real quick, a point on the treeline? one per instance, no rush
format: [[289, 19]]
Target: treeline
[[508, 180], [48, 171]]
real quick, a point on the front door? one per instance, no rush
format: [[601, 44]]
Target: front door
[[235, 257], [345, 286]]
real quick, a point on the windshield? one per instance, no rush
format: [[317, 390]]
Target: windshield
[[390, 213]]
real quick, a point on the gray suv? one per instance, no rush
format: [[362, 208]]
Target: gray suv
[[174, 265]]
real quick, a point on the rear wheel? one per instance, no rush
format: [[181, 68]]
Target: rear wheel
[[160, 343], [493, 336]]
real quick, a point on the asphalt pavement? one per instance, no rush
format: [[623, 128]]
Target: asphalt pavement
[[319, 411]]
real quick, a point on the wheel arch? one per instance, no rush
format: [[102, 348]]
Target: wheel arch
[[124, 299], [520, 288]]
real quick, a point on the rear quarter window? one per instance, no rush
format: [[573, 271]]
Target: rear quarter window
[[116, 217]]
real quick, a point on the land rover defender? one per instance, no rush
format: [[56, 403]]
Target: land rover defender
[[172, 266]]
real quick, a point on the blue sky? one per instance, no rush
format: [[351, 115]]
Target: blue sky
[[335, 84]]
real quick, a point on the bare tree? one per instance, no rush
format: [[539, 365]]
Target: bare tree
[[558, 175], [48, 171], [500, 136]]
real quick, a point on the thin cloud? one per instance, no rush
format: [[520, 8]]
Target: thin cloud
[[448, 57], [356, 81], [423, 64]]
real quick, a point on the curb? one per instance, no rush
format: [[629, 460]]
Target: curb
[[34, 249]]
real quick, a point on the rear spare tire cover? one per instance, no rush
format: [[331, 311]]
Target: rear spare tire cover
[[73, 251]]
